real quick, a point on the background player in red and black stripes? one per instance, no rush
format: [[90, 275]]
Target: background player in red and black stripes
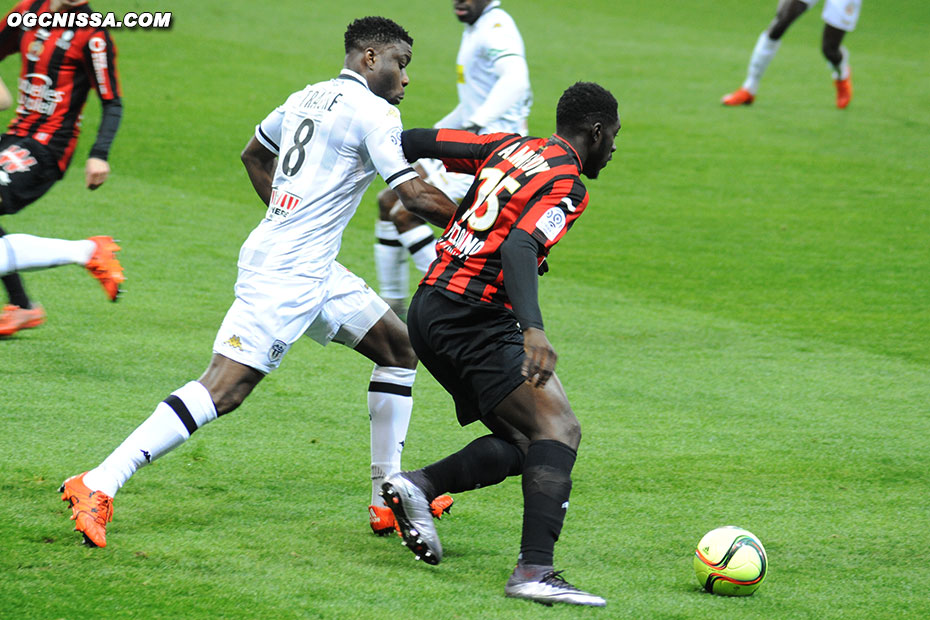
[[475, 324], [60, 66]]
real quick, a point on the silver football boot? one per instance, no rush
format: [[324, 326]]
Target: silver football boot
[[545, 585], [413, 517]]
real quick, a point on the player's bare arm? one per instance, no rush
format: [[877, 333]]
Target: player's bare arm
[[421, 198], [259, 163], [6, 99]]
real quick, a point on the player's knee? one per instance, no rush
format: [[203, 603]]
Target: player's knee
[[404, 220], [402, 355], [387, 198]]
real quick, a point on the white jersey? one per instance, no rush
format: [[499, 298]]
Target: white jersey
[[493, 36], [331, 139]]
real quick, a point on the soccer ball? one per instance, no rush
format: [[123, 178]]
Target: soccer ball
[[730, 561]]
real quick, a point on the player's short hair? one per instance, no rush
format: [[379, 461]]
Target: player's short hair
[[584, 103], [367, 31]]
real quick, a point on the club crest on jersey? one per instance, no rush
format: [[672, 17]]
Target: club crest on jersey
[[34, 51], [551, 223], [277, 350], [282, 204]]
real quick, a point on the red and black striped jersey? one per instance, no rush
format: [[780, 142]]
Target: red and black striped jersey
[[526, 183], [59, 67]]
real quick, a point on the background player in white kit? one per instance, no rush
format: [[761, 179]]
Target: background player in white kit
[[839, 16], [494, 95], [310, 161]]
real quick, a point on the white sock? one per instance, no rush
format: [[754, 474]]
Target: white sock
[[421, 244], [841, 72], [390, 262], [170, 425], [762, 55], [20, 252], [389, 406]]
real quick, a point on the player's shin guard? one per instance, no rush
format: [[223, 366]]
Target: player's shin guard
[[390, 262], [25, 252], [486, 461], [421, 244], [762, 55], [547, 483], [390, 402], [171, 424]]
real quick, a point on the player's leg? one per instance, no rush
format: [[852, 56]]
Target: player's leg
[[355, 316], [839, 18], [247, 346], [20, 312], [546, 418], [764, 51], [221, 389], [390, 256]]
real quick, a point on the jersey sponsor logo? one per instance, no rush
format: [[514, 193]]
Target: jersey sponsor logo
[[277, 350], [16, 159], [282, 204], [551, 223], [460, 241], [569, 204], [37, 95], [98, 55]]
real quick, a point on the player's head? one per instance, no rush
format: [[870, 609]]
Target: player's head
[[587, 116], [380, 50], [468, 11], [57, 5]]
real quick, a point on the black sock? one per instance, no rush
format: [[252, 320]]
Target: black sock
[[14, 286], [484, 462], [547, 483], [15, 290]]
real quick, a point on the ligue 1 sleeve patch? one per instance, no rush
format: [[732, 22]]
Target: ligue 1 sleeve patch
[[552, 223]]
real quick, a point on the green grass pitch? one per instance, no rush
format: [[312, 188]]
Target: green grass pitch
[[741, 316]]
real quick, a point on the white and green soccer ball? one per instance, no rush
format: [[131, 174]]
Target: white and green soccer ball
[[730, 561]]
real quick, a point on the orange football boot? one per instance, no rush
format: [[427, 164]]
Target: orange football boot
[[740, 96], [844, 92], [104, 266], [91, 510], [15, 318], [382, 522]]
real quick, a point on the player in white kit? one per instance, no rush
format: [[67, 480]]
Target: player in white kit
[[839, 16], [494, 95], [310, 161]]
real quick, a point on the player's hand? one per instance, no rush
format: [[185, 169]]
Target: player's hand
[[539, 363], [96, 172]]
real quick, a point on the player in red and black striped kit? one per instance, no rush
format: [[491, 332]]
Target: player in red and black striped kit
[[60, 66], [475, 324]]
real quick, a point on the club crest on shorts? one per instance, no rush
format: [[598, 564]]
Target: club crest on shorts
[[277, 350]]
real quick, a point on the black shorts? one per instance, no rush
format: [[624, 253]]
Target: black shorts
[[474, 350], [27, 170]]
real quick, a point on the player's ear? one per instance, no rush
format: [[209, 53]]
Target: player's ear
[[371, 56], [596, 133]]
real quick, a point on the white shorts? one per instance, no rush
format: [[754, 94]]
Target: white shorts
[[453, 184], [271, 313], [842, 14]]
